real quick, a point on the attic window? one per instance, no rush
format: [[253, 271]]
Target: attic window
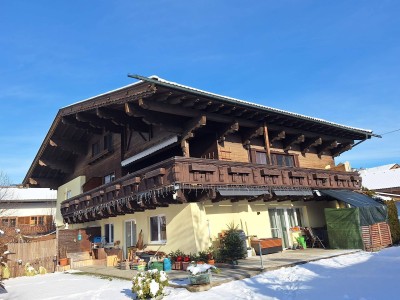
[[95, 148], [108, 142]]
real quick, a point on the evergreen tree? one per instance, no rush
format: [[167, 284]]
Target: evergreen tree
[[393, 221], [233, 247]]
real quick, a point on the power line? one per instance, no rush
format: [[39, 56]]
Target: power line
[[390, 131]]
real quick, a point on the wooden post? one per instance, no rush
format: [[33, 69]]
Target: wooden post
[[267, 144], [185, 148]]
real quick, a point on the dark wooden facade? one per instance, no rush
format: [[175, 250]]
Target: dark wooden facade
[[160, 143]]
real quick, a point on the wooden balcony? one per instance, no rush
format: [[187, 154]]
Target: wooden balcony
[[29, 230], [179, 180]]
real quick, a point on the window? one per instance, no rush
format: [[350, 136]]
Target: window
[[158, 229], [283, 160], [13, 222], [261, 157], [95, 148], [33, 221], [109, 178], [68, 194], [108, 142], [4, 222], [109, 233], [277, 159]]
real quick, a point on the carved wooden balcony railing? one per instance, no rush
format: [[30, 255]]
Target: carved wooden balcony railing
[[178, 180]]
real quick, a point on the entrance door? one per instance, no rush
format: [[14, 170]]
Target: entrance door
[[130, 235], [281, 220]]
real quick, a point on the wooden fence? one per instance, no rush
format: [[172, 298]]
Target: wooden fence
[[36, 253], [376, 236]]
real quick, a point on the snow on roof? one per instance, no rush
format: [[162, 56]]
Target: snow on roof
[[382, 177], [382, 168], [27, 194], [156, 78]]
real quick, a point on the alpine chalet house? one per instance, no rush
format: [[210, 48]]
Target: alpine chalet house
[[179, 164]]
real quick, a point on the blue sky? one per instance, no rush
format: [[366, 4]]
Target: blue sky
[[337, 60]]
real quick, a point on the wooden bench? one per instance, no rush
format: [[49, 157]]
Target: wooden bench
[[268, 245]]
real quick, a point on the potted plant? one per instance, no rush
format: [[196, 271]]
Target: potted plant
[[62, 256], [185, 262], [202, 257], [201, 273], [176, 259]]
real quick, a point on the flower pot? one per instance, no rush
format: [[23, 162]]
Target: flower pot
[[185, 264], [177, 265], [211, 262], [201, 278], [63, 262]]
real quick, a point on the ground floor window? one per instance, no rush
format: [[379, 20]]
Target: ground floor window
[[281, 220], [109, 233], [158, 229]]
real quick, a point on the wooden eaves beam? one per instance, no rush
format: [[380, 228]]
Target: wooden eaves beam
[[288, 143], [311, 142], [71, 120], [188, 112], [228, 129], [326, 146], [277, 137], [44, 182], [151, 118], [120, 118], [56, 165], [72, 146], [341, 148], [251, 133], [188, 132], [94, 121]]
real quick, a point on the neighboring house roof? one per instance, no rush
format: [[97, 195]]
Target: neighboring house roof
[[383, 168], [383, 177], [16, 194]]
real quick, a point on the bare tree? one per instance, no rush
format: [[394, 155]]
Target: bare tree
[[5, 191]]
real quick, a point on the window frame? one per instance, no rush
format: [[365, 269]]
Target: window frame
[[109, 233], [159, 229], [273, 161], [96, 148], [111, 176], [108, 142]]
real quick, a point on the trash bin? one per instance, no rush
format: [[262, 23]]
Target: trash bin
[[301, 240]]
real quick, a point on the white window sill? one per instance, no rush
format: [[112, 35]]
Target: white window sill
[[158, 243]]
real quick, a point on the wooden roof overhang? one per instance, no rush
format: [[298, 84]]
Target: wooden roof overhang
[[153, 101]]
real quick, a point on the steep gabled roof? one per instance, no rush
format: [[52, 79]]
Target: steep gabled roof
[[151, 91]]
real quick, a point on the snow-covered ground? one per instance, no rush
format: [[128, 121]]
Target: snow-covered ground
[[355, 276]]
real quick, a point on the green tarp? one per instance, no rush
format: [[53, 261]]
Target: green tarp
[[344, 228]]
